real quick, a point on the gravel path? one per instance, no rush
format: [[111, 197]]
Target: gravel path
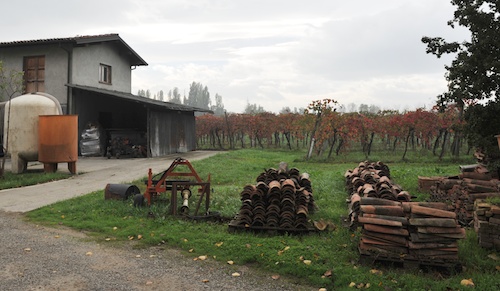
[[42, 258]]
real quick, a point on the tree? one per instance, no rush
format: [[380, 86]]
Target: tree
[[198, 96], [11, 83], [160, 96], [141, 92], [253, 109], [475, 73], [218, 108], [174, 96]]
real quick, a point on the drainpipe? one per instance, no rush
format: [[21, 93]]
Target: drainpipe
[[69, 74]]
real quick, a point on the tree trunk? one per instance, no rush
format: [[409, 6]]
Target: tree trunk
[[370, 144], [443, 147], [332, 144], [410, 131], [287, 136], [341, 143]]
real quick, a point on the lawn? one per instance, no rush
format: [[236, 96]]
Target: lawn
[[328, 259]]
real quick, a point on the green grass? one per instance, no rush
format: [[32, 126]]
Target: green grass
[[118, 222], [31, 177]]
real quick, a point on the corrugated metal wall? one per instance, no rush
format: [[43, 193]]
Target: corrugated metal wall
[[171, 132]]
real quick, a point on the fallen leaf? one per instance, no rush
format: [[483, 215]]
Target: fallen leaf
[[139, 236], [248, 246], [367, 285], [27, 249], [280, 253], [493, 257], [56, 236], [352, 284], [275, 277], [467, 282], [191, 250], [219, 244], [62, 216], [301, 258], [307, 262], [259, 245], [205, 280], [152, 256], [498, 268], [130, 237], [184, 240], [286, 248], [360, 285], [149, 283], [230, 262], [322, 289], [107, 239], [115, 228], [328, 273], [375, 272], [137, 256], [88, 254], [235, 274], [202, 258]]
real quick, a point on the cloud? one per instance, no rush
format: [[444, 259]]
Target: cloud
[[281, 53]]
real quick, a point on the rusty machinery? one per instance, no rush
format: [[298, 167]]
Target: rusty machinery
[[171, 180]]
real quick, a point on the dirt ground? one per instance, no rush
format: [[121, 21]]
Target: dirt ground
[[35, 257]]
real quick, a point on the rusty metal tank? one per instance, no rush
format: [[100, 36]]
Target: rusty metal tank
[[21, 126], [58, 141]]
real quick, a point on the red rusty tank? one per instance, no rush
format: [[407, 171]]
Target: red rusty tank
[[58, 141]]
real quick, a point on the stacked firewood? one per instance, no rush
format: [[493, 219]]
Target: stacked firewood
[[487, 224], [281, 200]]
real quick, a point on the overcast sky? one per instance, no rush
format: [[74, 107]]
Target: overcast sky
[[276, 54]]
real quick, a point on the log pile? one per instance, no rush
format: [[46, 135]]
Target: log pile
[[487, 224], [281, 200]]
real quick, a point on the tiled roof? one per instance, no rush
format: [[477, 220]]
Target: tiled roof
[[140, 99], [77, 40]]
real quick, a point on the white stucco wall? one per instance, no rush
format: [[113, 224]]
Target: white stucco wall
[[86, 61], [56, 64]]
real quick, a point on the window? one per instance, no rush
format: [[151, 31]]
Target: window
[[104, 74], [34, 74]]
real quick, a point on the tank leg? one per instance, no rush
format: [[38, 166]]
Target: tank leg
[[19, 165], [49, 167], [72, 167]]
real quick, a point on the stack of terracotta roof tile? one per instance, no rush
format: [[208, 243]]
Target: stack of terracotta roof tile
[[370, 180], [384, 228], [434, 232], [281, 200], [461, 192], [418, 231], [487, 224]]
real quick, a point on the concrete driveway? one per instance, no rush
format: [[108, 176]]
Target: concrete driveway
[[94, 174]]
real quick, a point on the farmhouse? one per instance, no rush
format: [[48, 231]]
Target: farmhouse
[[91, 77]]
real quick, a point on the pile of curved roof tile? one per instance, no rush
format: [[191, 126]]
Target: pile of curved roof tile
[[281, 200]]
